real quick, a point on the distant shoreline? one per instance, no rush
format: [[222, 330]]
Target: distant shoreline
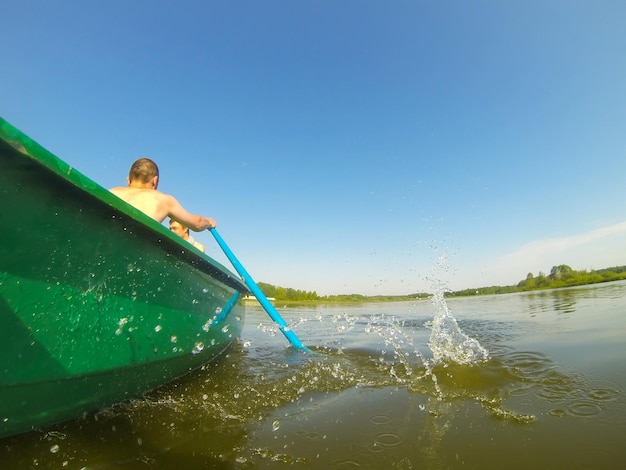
[[561, 276]]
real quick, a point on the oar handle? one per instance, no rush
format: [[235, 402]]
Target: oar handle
[[258, 293]]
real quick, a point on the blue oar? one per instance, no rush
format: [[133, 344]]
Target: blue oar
[[258, 293]]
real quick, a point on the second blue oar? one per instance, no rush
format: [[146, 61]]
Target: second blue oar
[[258, 293]]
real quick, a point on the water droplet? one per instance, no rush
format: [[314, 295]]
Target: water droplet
[[276, 425], [205, 291], [158, 328], [173, 339], [218, 310], [225, 328], [197, 348], [55, 448]]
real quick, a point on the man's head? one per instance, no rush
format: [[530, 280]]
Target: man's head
[[179, 229], [144, 171]]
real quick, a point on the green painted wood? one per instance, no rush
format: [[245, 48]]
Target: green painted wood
[[98, 302]]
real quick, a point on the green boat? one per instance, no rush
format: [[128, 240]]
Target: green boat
[[98, 302]]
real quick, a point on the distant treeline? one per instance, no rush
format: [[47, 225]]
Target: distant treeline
[[560, 276], [287, 293], [294, 295]]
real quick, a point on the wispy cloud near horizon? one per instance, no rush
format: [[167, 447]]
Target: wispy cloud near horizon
[[596, 249]]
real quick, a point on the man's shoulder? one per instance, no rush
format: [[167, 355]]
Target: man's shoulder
[[163, 196], [131, 190]]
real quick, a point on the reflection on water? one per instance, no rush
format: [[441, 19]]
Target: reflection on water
[[380, 394], [561, 301]]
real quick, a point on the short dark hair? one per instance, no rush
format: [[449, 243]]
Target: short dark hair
[[143, 170]]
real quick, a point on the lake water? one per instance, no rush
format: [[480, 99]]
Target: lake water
[[518, 381]]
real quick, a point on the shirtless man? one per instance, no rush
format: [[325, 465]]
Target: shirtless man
[[141, 192]]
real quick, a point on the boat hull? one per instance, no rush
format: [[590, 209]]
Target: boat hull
[[98, 303]]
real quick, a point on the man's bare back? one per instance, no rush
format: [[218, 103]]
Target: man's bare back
[[142, 194], [150, 201]]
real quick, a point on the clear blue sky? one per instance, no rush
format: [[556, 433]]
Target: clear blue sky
[[344, 146]]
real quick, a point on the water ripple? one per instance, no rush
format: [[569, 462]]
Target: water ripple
[[604, 394], [380, 419], [387, 440], [584, 409]]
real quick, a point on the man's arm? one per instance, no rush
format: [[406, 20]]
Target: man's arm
[[197, 223]]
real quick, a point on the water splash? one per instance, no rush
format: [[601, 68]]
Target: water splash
[[447, 342]]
